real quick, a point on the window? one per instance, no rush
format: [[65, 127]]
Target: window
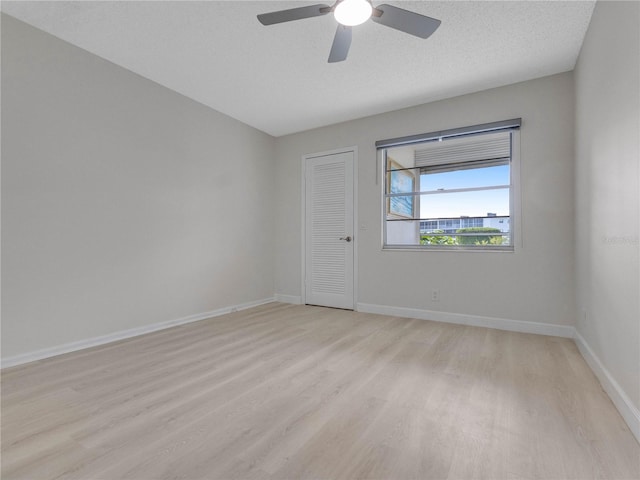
[[451, 190]]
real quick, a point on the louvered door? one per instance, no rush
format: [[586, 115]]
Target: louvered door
[[329, 230]]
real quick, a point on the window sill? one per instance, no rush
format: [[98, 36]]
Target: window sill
[[437, 248]]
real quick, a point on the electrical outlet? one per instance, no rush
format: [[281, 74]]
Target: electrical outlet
[[435, 295]]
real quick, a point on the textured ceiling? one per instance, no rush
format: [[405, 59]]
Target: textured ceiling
[[277, 78]]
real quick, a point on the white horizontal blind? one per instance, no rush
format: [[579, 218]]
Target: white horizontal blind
[[491, 146]]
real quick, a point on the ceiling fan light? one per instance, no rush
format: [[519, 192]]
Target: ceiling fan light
[[353, 12]]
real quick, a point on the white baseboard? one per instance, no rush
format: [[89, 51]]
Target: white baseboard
[[623, 403], [472, 320], [294, 299], [133, 332]]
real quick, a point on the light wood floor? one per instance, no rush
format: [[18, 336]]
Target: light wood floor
[[293, 392]]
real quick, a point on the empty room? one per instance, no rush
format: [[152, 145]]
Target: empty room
[[289, 240]]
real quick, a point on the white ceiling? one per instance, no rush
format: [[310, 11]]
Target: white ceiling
[[277, 78]]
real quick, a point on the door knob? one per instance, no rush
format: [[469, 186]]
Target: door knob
[[347, 239]]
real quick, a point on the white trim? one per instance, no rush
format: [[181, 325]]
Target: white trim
[[303, 234], [122, 334], [303, 230], [293, 299], [620, 399], [516, 213], [473, 320], [356, 226]]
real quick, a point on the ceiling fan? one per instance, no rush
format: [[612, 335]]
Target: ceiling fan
[[349, 13]]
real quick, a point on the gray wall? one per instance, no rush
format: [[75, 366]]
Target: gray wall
[[123, 203], [607, 184], [534, 284]]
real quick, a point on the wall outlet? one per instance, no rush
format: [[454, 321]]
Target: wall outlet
[[435, 295]]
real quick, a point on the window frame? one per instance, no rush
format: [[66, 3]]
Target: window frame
[[513, 126]]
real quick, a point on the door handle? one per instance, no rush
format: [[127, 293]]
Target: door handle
[[346, 239]]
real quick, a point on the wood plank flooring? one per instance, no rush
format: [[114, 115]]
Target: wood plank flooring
[[297, 392]]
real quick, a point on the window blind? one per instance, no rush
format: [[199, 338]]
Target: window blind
[[488, 147]]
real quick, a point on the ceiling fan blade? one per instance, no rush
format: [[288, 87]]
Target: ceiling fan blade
[[341, 44], [294, 14], [405, 21]]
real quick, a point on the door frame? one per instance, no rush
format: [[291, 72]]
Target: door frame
[[303, 215]]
